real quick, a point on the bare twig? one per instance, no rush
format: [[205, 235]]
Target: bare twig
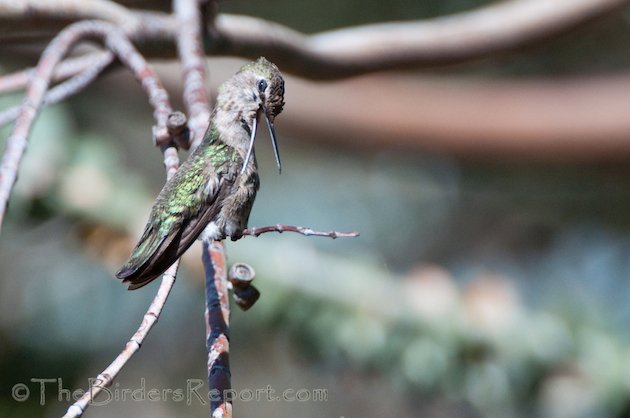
[[461, 37], [68, 87], [217, 328], [105, 379], [300, 230]]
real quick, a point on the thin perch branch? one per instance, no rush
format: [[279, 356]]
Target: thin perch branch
[[105, 379], [300, 230]]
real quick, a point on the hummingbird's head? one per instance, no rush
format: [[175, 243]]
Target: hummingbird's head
[[262, 81], [266, 84]]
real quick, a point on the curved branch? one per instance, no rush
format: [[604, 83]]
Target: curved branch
[[70, 10], [342, 53], [451, 39]]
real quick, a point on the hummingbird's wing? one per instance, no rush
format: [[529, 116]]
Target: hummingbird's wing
[[184, 207]]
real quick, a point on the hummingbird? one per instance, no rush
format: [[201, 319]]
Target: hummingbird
[[212, 193]]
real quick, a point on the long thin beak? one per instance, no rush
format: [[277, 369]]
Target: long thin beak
[[252, 137], [272, 134]]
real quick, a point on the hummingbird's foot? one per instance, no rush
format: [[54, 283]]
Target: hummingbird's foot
[[235, 236]]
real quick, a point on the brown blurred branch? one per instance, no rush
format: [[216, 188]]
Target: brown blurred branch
[[576, 119], [503, 26], [457, 38], [69, 9]]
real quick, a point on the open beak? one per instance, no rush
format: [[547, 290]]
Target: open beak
[[272, 134]]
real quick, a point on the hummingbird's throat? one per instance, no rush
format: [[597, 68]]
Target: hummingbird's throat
[[252, 138]]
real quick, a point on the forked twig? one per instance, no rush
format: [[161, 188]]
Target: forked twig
[[300, 230], [68, 87]]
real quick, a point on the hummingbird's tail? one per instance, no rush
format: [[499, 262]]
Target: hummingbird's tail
[[151, 257]]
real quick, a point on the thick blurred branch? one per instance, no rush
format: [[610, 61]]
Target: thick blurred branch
[[499, 27], [68, 9], [451, 39], [577, 119]]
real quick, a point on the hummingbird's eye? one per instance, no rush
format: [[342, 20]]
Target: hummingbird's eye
[[262, 85]]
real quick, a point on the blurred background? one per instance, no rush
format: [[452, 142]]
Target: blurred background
[[490, 278]]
